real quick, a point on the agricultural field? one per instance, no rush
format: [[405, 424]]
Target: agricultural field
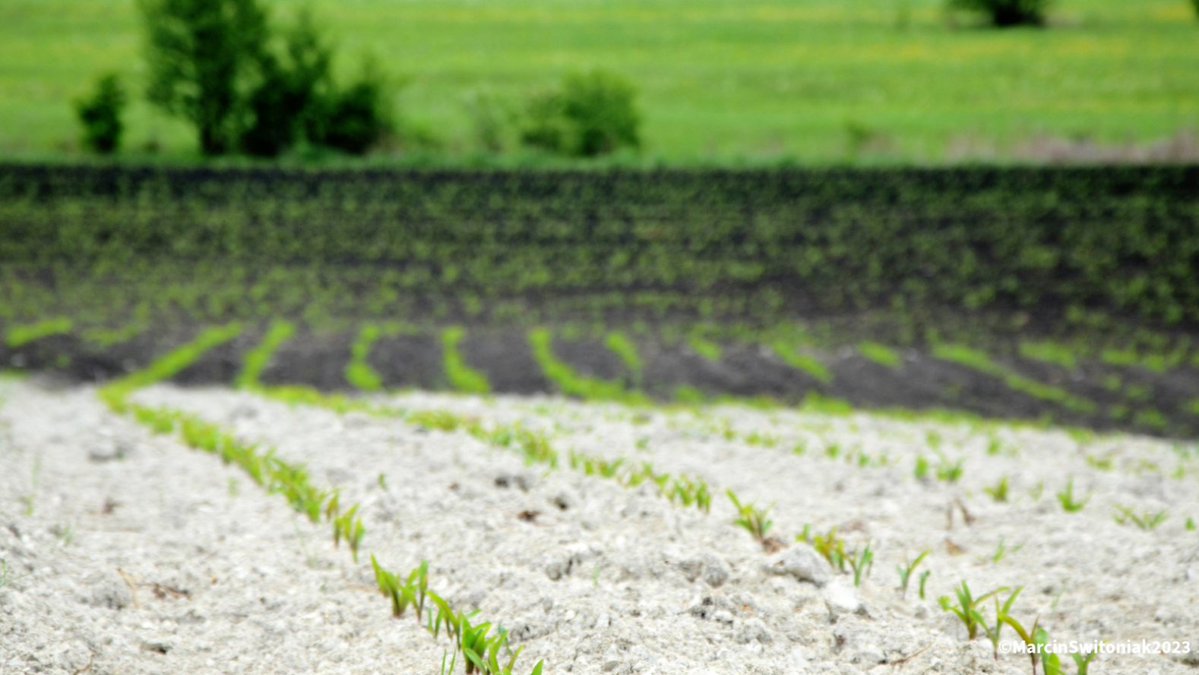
[[720, 82], [599, 336], [1049, 296], [561, 536]]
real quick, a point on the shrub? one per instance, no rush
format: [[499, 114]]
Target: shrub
[[358, 116], [291, 100], [1005, 13], [100, 114], [592, 114], [202, 57]]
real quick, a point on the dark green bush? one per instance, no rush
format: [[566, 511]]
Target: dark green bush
[[1004, 13], [592, 114], [100, 114], [292, 99], [203, 56], [358, 116]]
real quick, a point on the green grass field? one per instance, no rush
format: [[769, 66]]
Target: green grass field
[[722, 81]]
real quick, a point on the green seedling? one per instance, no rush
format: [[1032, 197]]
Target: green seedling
[[950, 472], [619, 344], [1002, 613], [349, 528], [258, 359], [359, 373], [922, 469], [1191, 527], [462, 377], [994, 447], [571, 382], [1002, 550], [999, 492], [861, 563], [1083, 661], [1101, 463], [924, 581], [832, 451], [750, 518], [453, 663], [793, 357], [800, 449], [905, 573], [829, 546], [1146, 521], [1069, 502], [708, 350], [1051, 664], [19, 336], [881, 354], [967, 608]]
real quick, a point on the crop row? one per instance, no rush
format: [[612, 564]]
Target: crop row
[[1120, 240], [483, 650]]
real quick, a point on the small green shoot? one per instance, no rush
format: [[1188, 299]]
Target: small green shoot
[[1003, 613], [967, 609], [999, 492], [829, 546], [905, 572], [1146, 521], [1002, 550], [922, 469], [802, 362], [619, 344], [861, 563], [19, 336], [260, 357], [881, 354], [750, 518], [950, 472], [1069, 502], [924, 581], [706, 349], [462, 377]]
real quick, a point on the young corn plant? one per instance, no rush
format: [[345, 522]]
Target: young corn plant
[[829, 546], [861, 563], [949, 472], [905, 572], [967, 608], [752, 519], [350, 528], [1146, 521], [1002, 613], [1070, 503], [999, 492]]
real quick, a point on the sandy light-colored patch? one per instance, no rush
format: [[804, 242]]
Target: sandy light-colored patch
[[185, 574]]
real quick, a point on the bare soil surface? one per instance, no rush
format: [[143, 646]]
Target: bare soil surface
[[125, 552]]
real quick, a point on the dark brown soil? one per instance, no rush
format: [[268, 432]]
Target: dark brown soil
[[1145, 402]]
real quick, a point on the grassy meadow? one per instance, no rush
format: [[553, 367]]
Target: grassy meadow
[[721, 81]]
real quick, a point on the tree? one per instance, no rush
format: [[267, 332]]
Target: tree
[[204, 56], [294, 94], [100, 114]]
